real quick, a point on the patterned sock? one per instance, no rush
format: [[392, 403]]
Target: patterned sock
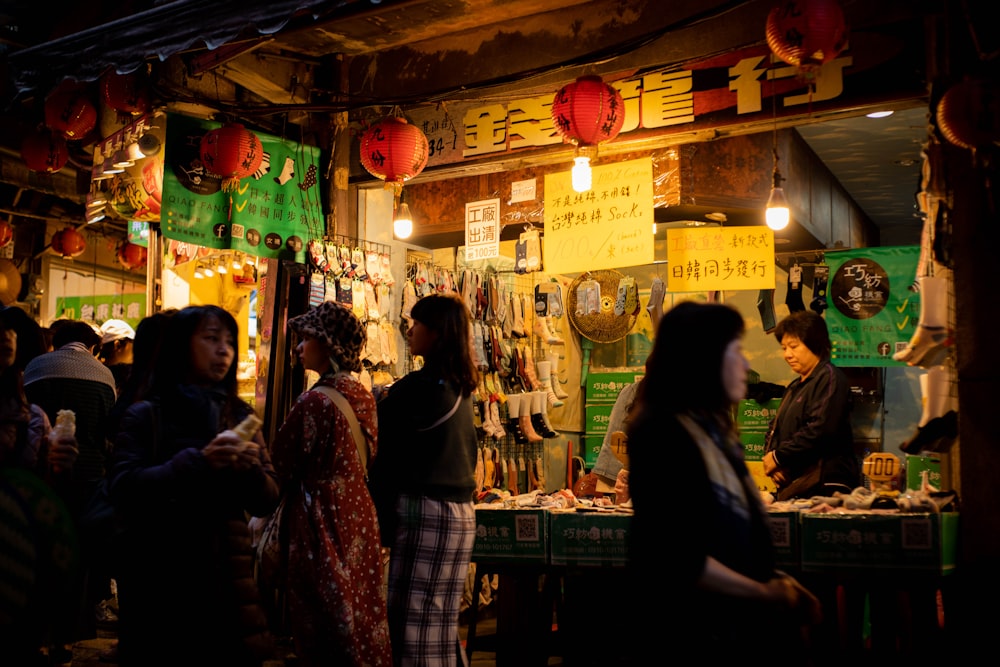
[[822, 275], [793, 298]]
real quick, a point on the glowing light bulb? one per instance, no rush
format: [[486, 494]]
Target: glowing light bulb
[[582, 177], [777, 214]]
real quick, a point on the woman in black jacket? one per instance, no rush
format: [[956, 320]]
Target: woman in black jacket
[[182, 482], [427, 453]]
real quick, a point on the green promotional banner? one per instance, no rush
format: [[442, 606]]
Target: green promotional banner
[[98, 308], [273, 213], [874, 307]]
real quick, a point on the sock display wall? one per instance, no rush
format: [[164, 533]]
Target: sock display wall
[[513, 340]]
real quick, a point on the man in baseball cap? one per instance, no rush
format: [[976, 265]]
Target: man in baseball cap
[[116, 349]]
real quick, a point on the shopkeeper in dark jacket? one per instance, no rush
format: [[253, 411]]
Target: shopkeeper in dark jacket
[[810, 448]]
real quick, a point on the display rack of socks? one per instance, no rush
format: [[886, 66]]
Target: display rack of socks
[[358, 274]]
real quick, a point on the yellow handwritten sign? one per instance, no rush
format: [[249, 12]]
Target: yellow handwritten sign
[[609, 226], [720, 258]]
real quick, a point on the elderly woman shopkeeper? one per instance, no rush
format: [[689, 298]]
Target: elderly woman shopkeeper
[[810, 448]]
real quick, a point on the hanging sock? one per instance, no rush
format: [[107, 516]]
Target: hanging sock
[[542, 330], [529, 369], [537, 421], [514, 419], [553, 359], [657, 291], [545, 382], [793, 298], [765, 306], [521, 257], [494, 406], [820, 279]]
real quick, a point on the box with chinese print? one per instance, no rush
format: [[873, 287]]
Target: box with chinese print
[[605, 387], [785, 537], [754, 416], [923, 543], [591, 448], [511, 535], [753, 445], [597, 418], [588, 538], [915, 465]]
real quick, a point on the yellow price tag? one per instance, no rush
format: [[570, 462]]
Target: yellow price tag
[[881, 467]]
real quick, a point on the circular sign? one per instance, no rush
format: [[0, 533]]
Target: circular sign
[[859, 289], [272, 241]]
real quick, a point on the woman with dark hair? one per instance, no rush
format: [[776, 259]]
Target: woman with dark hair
[[810, 447], [182, 482], [336, 607], [427, 453], [683, 445]]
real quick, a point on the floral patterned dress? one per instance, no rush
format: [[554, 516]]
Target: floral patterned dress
[[336, 604]]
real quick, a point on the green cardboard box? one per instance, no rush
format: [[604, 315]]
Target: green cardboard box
[[588, 538], [506, 535], [597, 418], [915, 465], [605, 387], [753, 444], [754, 416], [592, 443], [785, 537], [902, 543]]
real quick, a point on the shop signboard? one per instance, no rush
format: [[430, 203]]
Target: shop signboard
[[704, 259], [607, 227], [98, 308], [273, 213], [873, 306]]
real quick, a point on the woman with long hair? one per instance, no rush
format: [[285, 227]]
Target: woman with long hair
[[427, 453], [182, 482], [683, 446]]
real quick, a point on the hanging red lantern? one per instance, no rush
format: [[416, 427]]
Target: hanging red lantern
[[968, 114], [128, 94], [132, 255], [6, 233], [69, 112], [588, 111], [806, 33], [231, 152], [68, 243], [44, 150], [394, 151]]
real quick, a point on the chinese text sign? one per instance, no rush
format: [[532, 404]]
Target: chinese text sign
[[873, 310], [608, 226], [720, 258], [273, 213], [482, 229]]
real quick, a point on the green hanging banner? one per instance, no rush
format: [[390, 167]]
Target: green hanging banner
[[873, 304], [273, 213]]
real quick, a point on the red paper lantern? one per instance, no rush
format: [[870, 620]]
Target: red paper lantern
[[6, 233], [128, 94], [588, 111], [231, 152], [70, 112], [394, 150], [132, 255], [68, 243], [968, 114], [44, 150], [806, 33]]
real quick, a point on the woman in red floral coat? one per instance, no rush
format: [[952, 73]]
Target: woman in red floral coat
[[336, 605]]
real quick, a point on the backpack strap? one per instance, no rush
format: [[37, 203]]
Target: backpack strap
[[345, 407]]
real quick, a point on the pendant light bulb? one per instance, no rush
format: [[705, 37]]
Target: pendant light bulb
[[582, 177], [777, 214], [402, 226]]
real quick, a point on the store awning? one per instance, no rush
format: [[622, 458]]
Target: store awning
[[161, 32]]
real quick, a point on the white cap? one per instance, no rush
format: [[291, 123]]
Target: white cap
[[113, 330]]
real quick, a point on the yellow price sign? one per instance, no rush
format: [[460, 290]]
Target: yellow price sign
[[606, 227], [881, 467], [705, 259]]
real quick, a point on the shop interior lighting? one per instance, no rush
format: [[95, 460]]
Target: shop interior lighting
[[776, 215], [198, 273], [237, 261], [220, 268], [207, 271], [402, 225], [581, 174]]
